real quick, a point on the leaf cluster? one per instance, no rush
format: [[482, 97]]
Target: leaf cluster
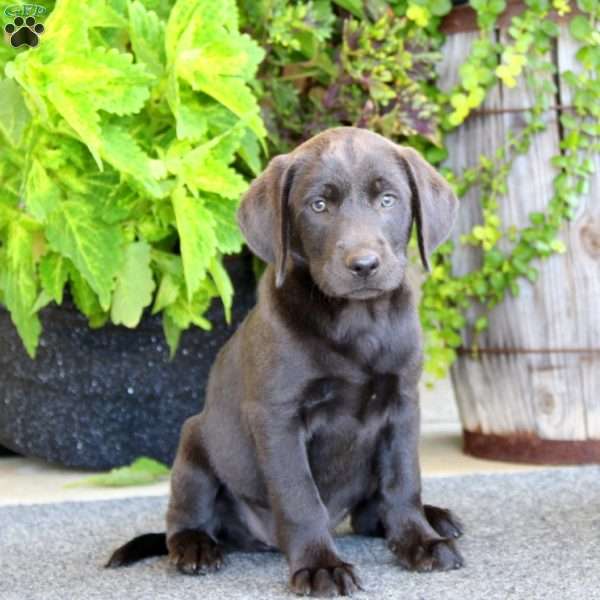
[[128, 136], [330, 63]]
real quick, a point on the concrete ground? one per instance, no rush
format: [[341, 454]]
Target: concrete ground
[[31, 481]]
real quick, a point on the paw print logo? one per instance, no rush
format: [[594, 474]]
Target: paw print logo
[[24, 32]]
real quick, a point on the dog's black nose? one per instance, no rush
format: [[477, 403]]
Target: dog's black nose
[[363, 265]]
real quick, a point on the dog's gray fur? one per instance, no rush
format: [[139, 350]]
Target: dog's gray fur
[[311, 410]]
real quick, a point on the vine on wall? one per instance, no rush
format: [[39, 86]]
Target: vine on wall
[[448, 297]]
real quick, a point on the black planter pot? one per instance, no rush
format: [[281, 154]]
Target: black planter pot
[[100, 398]]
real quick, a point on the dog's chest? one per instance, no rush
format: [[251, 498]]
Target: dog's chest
[[358, 382], [360, 405], [344, 422]]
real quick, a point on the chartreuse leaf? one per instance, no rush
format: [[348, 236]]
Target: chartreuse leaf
[[223, 283], [214, 58], [121, 150], [19, 284], [7, 212], [14, 116], [147, 34], [179, 19], [100, 13], [223, 211], [172, 333], [66, 28], [185, 313], [42, 301], [197, 238], [180, 156], [85, 298], [250, 153], [166, 262], [191, 119], [168, 291], [53, 275], [142, 471], [95, 248], [135, 285], [107, 78], [580, 27], [79, 112], [80, 83], [126, 87], [182, 313], [228, 90], [42, 195], [205, 167], [208, 172], [221, 121]]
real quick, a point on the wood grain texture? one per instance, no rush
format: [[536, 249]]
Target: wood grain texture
[[551, 395], [582, 237]]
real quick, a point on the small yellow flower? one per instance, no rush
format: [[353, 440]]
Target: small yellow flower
[[419, 14], [561, 6]]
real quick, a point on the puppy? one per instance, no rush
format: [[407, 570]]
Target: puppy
[[311, 410]]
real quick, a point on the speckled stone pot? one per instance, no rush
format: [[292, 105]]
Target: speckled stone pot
[[100, 398]]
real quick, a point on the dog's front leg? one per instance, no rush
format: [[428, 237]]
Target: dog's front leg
[[301, 519], [419, 536]]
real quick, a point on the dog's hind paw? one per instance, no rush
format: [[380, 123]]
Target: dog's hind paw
[[326, 581], [420, 553], [195, 553]]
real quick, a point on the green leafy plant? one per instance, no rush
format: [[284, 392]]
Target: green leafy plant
[[128, 136], [333, 63]]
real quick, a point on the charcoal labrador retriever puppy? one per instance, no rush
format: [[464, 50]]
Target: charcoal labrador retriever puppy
[[311, 409]]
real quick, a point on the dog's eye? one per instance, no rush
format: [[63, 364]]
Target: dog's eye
[[318, 205], [387, 200]]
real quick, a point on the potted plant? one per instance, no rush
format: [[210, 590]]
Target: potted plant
[[128, 136], [388, 66]]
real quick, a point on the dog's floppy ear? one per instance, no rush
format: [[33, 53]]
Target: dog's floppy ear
[[263, 215], [434, 205]]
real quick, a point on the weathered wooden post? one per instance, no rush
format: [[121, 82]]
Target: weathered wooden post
[[533, 393]]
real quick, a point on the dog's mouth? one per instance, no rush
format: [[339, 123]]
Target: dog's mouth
[[364, 293]]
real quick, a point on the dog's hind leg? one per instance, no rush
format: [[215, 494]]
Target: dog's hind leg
[[192, 519], [365, 519]]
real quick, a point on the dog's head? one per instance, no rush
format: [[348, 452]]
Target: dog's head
[[342, 204]]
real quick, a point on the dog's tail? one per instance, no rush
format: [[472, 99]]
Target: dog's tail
[[143, 546]]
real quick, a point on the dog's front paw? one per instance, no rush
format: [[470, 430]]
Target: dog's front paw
[[340, 579], [422, 549], [195, 553], [446, 523]]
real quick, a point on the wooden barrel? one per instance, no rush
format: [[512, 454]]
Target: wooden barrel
[[533, 392]]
